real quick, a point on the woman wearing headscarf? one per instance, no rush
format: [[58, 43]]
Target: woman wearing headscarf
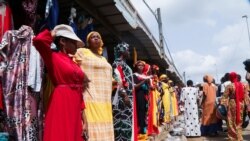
[[209, 124], [166, 98], [154, 97], [189, 99], [173, 99], [98, 96], [124, 107], [63, 119], [235, 98], [141, 92]]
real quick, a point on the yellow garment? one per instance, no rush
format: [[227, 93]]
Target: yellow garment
[[174, 106], [97, 97], [166, 102], [156, 96]]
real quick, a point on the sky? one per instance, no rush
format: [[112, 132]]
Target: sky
[[203, 36]]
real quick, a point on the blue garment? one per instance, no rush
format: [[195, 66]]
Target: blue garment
[[74, 26], [83, 33], [53, 14], [209, 129]]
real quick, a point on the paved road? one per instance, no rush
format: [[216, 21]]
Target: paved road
[[221, 137]]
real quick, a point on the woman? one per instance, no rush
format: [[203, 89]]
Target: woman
[[141, 91], [166, 98], [235, 98], [209, 124], [154, 100], [63, 118], [123, 107], [189, 99], [97, 98]]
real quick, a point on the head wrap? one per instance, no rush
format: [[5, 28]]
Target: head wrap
[[155, 67], [120, 48], [140, 61], [209, 79], [239, 94], [100, 49], [163, 77], [146, 69]]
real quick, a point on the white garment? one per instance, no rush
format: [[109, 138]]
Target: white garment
[[224, 85], [190, 95], [34, 77]]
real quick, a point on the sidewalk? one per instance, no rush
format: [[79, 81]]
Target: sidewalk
[[165, 136]]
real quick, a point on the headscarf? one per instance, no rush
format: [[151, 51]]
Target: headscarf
[[100, 49], [155, 67], [146, 69], [120, 49], [209, 79], [239, 94], [140, 61], [163, 77]]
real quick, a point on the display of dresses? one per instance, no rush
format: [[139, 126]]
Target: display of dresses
[[22, 105], [63, 117]]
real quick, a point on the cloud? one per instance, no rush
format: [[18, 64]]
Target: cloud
[[232, 50], [205, 36]]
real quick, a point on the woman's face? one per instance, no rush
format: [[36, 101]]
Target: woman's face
[[140, 67], [95, 41], [70, 46]]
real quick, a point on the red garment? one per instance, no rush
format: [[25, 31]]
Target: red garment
[[5, 19], [1, 97], [239, 94], [63, 117]]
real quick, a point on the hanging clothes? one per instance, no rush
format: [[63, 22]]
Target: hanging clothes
[[85, 28], [5, 19], [22, 106], [52, 13]]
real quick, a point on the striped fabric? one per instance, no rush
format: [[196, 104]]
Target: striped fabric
[[98, 96]]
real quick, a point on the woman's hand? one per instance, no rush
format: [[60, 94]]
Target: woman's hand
[[86, 81], [53, 33], [85, 134]]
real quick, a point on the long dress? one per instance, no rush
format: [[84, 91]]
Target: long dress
[[141, 102], [97, 97], [23, 114], [228, 99], [153, 113], [189, 95], [209, 120], [123, 115], [63, 117], [166, 103]]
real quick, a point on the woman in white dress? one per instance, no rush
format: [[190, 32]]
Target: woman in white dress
[[189, 99]]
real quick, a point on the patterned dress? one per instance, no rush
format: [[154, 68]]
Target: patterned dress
[[190, 96], [22, 106], [123, 114], [97, 98], [228, 99]]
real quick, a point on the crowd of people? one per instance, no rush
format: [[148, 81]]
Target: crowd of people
[[55, 86], [227, 101]]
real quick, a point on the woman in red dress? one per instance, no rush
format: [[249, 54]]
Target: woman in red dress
[[63, 120]]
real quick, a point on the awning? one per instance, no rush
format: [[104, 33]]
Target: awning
[[118, 21]]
